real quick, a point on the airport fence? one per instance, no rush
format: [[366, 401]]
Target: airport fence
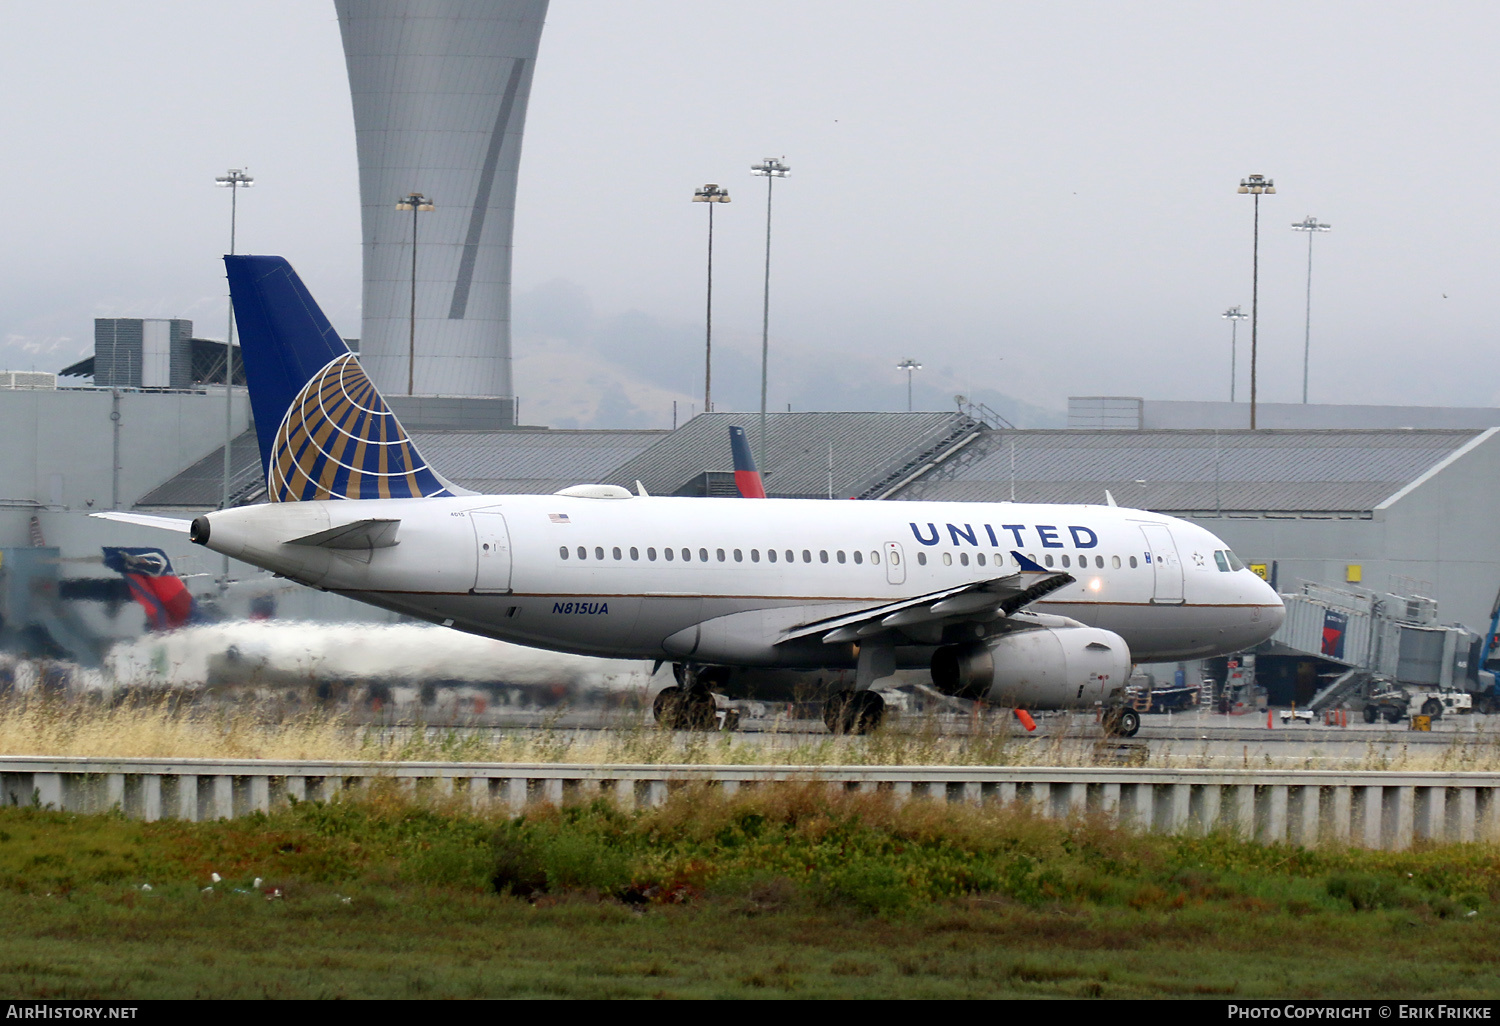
[[1372, 809]]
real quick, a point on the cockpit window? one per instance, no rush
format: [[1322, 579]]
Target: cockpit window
[[1219, 559], [1234, 561]]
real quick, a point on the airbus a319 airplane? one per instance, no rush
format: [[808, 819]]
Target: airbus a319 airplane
[[1039, 606]]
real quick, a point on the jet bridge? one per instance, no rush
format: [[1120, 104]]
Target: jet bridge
[[1355, 636]]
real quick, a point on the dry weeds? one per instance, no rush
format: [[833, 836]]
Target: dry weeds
[[164, 728]]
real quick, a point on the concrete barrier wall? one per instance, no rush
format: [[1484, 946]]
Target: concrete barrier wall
[[1366, 809]]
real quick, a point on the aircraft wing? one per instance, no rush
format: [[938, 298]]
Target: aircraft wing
[[1002, 595], [146, 520]]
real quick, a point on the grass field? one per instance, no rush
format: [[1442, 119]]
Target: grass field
[[788, 891], [168, 729]]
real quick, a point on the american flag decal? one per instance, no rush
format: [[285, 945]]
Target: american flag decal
[[558, 518]]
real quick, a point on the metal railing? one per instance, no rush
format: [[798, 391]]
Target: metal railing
[[1369, 809]]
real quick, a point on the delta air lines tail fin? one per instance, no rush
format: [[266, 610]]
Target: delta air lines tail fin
[[149, 576], [324, 430], [746, 477]]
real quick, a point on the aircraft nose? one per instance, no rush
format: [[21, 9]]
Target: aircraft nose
[[1272, 609]]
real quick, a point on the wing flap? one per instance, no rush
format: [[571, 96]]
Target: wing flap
[[1004, 595]]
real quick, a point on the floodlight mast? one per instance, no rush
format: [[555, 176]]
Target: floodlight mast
[[234, 180], [710, 194], [414, 202], [1255, 185], [908, 365], [1234, 317], [1310, 225], [770, 169]]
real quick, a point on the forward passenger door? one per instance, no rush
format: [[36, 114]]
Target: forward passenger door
[[1161, 552]]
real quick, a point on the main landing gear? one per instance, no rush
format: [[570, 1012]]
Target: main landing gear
[[853, 712], [1121, 722], [676, 708], [690, 704]]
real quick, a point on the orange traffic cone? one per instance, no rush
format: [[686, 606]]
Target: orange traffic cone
[[1026, 720], [1269, 725]]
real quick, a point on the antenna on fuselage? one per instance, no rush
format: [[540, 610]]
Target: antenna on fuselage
[[1109, 499]]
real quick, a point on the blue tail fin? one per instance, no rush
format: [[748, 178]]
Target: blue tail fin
[[148, 574], [324, 430], [746, 477]]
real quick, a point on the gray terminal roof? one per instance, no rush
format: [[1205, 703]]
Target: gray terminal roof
[[516, 461], [869, 452], [521, 461], [1195, 471], [920, 456], [200, 486]]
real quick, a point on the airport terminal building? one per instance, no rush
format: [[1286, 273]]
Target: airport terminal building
[[1388, 510]]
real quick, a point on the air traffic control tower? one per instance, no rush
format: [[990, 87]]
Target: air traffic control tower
[[440, 90]]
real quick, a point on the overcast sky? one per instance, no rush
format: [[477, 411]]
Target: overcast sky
[[1034, 199]]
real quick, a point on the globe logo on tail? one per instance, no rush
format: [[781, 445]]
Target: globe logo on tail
[[338, 440]]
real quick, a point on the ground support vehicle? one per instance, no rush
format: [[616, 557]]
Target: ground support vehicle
[[1396, 702]]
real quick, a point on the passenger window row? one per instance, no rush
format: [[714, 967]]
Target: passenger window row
[[1226, 560], [687, 555], [1048, 560]]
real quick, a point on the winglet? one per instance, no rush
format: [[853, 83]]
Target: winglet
[[1110, 499], [1029, 565], [640, 489]]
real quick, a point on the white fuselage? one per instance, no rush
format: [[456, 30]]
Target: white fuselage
[[646, 577]]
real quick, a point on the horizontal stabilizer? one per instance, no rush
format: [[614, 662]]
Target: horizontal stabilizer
[[147, 520], [362, 534]]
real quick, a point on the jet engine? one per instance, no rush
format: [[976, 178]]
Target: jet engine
[[1050, 668]]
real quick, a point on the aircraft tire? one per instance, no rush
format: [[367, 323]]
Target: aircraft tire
[[666, 708], [698, 711], [833, 711], [853, 712], [866, 712], [1432, 709], [1123, 722]]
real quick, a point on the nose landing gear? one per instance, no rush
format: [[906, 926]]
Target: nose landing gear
[[1121, 722]]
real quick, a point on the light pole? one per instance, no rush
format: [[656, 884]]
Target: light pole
[[414, 202], [1234, 317], [908, 365], [710, 194], [1255, 185], [770, 169], [234, 180], [1310, 225]]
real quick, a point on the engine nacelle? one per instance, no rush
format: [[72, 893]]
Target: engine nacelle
[[1053, 668]]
